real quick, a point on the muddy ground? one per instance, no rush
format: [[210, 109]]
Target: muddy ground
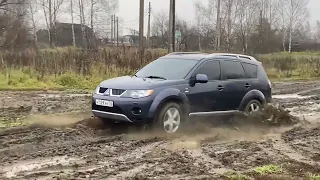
[[63, 142]]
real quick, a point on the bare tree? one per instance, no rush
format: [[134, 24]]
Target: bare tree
[[32, 9], [246, 19], [14, 30], [160, 26], [82, 22], [207, 14], [97, 13], [318, 32], [228, 14], [295, 12], [51, 9]]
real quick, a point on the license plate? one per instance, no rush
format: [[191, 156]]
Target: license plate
[[104, 103]]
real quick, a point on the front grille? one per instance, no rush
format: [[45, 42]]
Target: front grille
[[102, 90], [117, 92], [114, 109]]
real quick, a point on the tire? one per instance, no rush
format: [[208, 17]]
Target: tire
[[253, 106], [164, 123]]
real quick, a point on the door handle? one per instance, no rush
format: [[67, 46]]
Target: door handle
[[247, 85], [220, 88]]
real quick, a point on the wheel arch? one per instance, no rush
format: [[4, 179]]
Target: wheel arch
[[166, 96], [252, 95]]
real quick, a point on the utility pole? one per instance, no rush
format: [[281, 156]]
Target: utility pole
[[141, 38], [117, 31], [114, 31], [111, 29], [50, 23], [218, 25], [173, 25], [148, 36], [73, 35], [170, 28]]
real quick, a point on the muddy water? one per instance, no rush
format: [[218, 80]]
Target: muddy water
[[58, 146]]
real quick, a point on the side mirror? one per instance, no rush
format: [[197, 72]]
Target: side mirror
[[201, 78]]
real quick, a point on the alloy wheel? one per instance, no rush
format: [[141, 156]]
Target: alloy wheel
[[254, 107], [171, 120]]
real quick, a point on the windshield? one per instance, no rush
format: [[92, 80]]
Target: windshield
[[170, 69]]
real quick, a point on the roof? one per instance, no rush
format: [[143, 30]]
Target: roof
[[200, 56], [187, 55]]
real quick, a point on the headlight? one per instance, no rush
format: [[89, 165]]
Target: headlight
[[137, 93]]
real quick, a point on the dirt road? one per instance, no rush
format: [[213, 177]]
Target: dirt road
[[58, 146]]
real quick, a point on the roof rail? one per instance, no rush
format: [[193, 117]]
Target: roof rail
[[234, 55], [177, 53]]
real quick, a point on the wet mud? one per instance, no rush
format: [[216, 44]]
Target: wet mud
[[63, 141]]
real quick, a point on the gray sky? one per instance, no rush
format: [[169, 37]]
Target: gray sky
[[129, 11]]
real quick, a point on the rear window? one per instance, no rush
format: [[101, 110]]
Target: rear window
[[233, 70], [251, 70]]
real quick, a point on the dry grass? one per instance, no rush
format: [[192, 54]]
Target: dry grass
[[74, 68]]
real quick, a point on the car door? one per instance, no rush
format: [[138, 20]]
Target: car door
[[206, 97], [251, 71], [234, 82]]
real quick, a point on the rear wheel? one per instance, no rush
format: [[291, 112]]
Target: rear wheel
[[253, 106], [169, 119]]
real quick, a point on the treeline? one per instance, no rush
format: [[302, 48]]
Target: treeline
[[245, 26], [249, 26], [37, 23]]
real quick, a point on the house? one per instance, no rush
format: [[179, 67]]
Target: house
[[62, 35]]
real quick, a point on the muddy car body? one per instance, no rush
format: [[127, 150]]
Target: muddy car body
[[172, 88]]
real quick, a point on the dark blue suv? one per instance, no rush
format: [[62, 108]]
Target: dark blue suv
[[174, 87]]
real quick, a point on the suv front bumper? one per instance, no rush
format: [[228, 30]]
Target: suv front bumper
[[124, 109], [112, 116]]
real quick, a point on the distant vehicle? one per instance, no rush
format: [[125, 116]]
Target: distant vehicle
[[131, 40], [169, 90]]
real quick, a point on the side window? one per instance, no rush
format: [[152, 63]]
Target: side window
[[233, 70], [211, 69], [251, 70]]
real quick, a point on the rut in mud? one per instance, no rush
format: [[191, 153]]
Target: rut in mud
[[89, 150]]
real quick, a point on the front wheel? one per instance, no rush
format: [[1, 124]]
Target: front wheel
[[169, 119]]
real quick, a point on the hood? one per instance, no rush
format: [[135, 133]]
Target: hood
[[128, 82]]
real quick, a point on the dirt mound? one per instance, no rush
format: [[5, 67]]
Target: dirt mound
[[270, 116]]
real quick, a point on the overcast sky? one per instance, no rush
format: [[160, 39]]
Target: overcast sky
[[129, 11]]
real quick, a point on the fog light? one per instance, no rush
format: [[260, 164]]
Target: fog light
[[136, 111]]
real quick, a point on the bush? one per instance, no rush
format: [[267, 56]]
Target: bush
[[75, 68]]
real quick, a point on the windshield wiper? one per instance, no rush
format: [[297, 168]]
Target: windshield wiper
[[156, 77]]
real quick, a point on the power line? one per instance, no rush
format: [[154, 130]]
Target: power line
[[137, 19], [133, 22]]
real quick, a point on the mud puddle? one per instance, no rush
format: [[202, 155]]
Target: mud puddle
[[58, 146]]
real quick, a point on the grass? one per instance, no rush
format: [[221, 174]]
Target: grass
[[72, 68], [313, 177], [22, 80], [9, 123], [268, 169], [235, 176], [295, 55]]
